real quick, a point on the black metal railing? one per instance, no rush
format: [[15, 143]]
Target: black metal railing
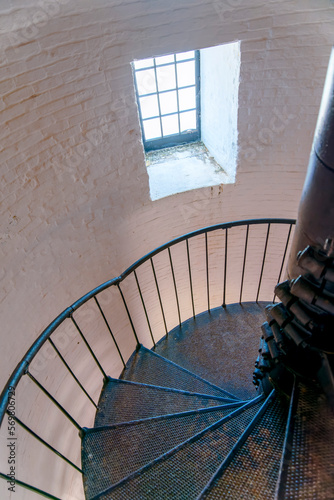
[[254, 250]]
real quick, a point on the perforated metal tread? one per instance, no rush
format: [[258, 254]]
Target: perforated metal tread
[[123, 401], [311, 470], [110, 454], [183, 474], [150, 368], [231, 343], [253, 472]]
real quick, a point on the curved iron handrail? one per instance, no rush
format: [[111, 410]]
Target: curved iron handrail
[[23, 366]]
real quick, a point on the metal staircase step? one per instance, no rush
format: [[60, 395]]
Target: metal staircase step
[[226, 356], [150, 368], [183, 472], [310, 471], [123, 401], [111, 453], [254, 470]]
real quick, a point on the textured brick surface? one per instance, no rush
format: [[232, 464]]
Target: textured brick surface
[[75, 210]]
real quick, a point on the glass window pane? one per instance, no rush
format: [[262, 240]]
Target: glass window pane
[[164, 59], [144, 63], [188, 121], [185, 55], [186, 73], [149, 106], [170, 125], [166, 77], [168, 102], [146, 81], [152, 129], [187, 98]]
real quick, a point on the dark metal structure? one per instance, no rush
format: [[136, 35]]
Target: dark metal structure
[[315, 222], [298, 335]]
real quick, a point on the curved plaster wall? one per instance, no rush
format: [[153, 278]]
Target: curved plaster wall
[[75, 205]]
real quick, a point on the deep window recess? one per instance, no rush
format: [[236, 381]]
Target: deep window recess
[[168, 95]]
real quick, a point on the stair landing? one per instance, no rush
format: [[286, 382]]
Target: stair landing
[[221, 346]]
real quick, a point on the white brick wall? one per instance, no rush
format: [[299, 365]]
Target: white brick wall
[[83, 215]]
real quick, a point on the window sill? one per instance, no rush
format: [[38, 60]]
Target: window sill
[[183, 168]]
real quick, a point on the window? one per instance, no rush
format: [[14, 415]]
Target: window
[[168, 97], [188, 113]]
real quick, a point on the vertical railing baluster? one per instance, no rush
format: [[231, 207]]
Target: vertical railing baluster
[[145, 310], [128, 313], [109, 329], [190, 279], [244, 264], [159, 296], [71, 372], [89, 348], [175, 287], [263, 262], [284, 256], [207, 270], [29, 487], [54, 401], [225, 268], [45, 443]]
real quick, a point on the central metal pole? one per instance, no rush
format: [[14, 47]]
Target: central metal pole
[[315, 222], [297, 338]]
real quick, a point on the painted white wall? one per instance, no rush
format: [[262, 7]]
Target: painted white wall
[[220, 72]]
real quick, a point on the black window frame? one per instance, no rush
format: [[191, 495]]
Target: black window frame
[[182, 137]]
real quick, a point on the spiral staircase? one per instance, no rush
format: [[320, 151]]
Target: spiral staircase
[[163, 432], [143, 388], [181, 418]]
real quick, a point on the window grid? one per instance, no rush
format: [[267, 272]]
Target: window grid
[[177, 95], [165, 139]]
